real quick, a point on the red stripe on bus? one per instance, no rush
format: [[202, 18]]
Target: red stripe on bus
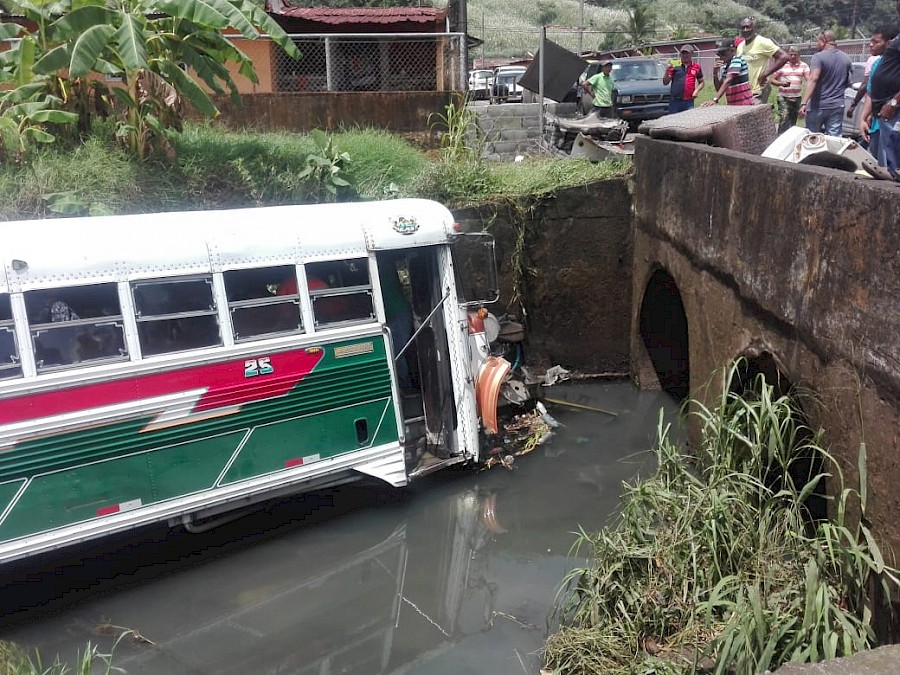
[[293, 462], [225, 384], [107, 510]]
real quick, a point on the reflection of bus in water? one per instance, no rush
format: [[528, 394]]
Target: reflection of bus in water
[[175, 367], [363, 595]]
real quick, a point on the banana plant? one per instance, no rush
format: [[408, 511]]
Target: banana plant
[[163, 51]]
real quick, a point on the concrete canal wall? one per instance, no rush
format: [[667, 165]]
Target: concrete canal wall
[[566, 267]]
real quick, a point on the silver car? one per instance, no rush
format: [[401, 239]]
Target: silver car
[[850, 126]]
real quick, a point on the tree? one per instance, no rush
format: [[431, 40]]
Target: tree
[[640, 24], [152, 45]]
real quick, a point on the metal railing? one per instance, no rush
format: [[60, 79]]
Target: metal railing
[[367, 62]]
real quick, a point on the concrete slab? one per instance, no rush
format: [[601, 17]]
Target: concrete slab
[[881, 661]]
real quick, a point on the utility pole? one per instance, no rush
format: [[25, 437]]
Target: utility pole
[[580, 26]]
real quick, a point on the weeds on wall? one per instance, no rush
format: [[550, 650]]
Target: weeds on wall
[[460, 169], [715, 564]]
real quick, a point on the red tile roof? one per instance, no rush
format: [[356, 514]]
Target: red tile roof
[[357, 15]]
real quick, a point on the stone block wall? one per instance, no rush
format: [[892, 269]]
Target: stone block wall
[[509, 129]]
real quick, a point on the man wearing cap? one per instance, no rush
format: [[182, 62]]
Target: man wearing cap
[[601, 87], [686, 79], [758, 51], [731, 77]]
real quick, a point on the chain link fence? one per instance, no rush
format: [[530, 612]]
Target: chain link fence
[[367, 62]]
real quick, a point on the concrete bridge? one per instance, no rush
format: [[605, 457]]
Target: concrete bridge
[[707, 255]]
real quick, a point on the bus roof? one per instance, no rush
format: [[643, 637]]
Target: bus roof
[[53, 252]]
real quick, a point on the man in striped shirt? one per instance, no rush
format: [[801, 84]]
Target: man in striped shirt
[[731, 77], [789, 79]]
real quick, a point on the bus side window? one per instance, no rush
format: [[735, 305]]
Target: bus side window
[[340, 291], [75, 325], [263, 302], [10, 365], [175, 314]]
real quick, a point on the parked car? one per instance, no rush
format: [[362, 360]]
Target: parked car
[[850, 127], [639, 94], [480, 83], [506, 87]]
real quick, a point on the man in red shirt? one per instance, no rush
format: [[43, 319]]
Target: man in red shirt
[[686, 79]]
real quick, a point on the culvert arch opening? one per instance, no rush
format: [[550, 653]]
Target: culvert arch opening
[[664, 330], [807, 460]]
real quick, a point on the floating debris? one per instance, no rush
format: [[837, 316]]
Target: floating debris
[[522, 434]]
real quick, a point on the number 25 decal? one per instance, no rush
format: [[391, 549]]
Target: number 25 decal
[[260, 366]]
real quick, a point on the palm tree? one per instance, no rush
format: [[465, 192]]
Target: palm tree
[[640, 23]]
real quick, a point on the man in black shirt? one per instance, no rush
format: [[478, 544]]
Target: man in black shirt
[[885, 104]]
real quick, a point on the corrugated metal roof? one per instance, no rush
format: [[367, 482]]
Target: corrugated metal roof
[[357, 15]]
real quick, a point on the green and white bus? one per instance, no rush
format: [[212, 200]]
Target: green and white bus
[[182, 367]]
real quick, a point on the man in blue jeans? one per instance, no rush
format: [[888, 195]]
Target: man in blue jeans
[[686, 79], [885, 95], [829, 75]]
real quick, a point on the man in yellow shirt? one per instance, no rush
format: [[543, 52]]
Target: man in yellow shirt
[[763, 58]]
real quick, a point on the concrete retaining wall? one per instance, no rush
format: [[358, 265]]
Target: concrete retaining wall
[[576, 294]]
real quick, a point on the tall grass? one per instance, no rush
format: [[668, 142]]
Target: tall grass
[[715, 562], [91, 661]]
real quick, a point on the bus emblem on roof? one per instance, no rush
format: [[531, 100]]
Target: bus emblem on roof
[[405, 224]]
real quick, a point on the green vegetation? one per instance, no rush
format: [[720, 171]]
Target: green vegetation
[[511, 30], [215, 168], [715, 562], [16, 661], [55, 73]]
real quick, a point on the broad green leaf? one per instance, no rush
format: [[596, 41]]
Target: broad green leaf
[[208, 70], [236, 18], [68, 203], [26, 55], [187, 87], [54, 60], [201, 12], [38, 134], [54, 116], [87, 48], [9, 30], [262, 20], [23, 93], [132, 41], [76, 22]]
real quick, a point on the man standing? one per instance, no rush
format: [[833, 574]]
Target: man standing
[[789, 79], [686, 79], [731, 77], [885, 101], [868, 123], [600, 87], [829, 75], [758, 51]]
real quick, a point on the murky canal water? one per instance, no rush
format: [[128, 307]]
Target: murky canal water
[[454, 575]]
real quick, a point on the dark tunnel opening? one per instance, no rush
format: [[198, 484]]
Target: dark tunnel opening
[[808, 463], [664, 329]]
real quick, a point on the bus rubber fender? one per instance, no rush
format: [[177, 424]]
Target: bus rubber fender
[[491, 376]]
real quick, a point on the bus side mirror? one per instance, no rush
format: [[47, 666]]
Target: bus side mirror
[[475, 268]]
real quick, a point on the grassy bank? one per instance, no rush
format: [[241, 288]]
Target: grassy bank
[[715, 564], [220, 169]]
